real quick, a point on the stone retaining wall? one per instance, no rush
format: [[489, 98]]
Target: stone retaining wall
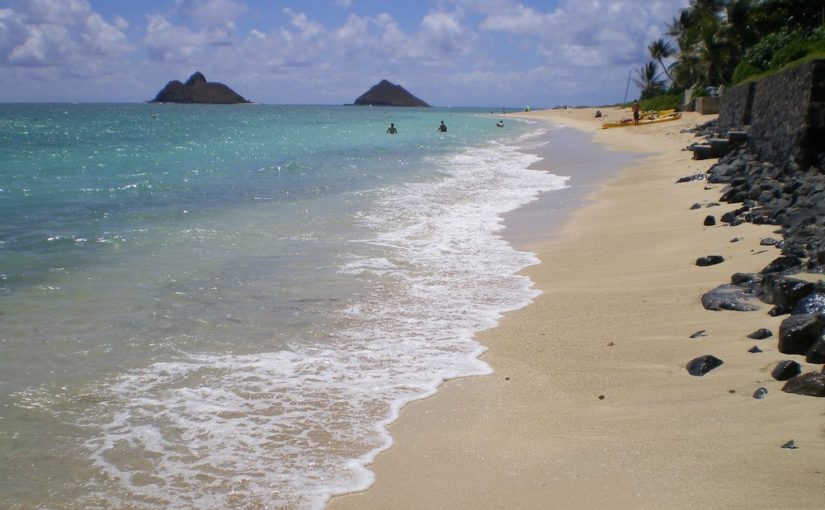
[[787, 116], [735, 107]]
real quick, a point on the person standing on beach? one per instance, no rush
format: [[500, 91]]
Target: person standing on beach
[[635, 109], [442, 128], [391, 130]]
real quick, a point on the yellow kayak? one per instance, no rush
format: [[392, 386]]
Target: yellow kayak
[[643, 121]]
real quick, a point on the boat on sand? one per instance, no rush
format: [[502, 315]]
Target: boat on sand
[[645, 119]]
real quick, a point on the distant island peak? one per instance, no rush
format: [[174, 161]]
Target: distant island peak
[[388, 94], [197, 90]]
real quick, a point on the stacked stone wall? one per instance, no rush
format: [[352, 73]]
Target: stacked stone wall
[[735, 105], [787, 115]]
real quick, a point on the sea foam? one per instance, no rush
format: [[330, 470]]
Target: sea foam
[[292, 428]]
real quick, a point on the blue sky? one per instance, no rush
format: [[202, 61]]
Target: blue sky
[[447, 52]]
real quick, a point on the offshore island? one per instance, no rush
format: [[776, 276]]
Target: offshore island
[[386, 93], [198, 90]]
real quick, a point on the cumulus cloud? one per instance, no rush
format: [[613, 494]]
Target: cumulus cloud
[[42, 33], [562, 47], [583, 32]]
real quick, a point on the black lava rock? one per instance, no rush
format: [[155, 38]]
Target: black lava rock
[[784, 292], [760, 334], [703, 364], [816, 353], [748, 279], [798, 333], [709, 260], [729, 297], [785, 370], [811, 384], [699, 333], [810, 304], [790, 445], [754, 349], [760, 393], [691, 178], [783, 264], [710, 220], [728, 217]]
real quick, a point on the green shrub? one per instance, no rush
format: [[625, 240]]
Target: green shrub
[[663, 102], [743, 71], [795, 50], [760, 54]]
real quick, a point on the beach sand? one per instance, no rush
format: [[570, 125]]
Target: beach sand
[[590, 405]]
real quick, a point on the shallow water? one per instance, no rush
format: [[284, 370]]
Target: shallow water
[[214, 306]]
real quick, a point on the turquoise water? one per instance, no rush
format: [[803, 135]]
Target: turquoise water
[[222, 306]]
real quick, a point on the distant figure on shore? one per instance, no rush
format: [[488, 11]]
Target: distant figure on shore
[[635, 109], [500, 123], [391, 130], [442, 128], [598, 113]]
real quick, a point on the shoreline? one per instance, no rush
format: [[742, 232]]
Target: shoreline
[[590, 404]]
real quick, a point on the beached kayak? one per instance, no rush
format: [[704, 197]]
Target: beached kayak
[[643, 120]]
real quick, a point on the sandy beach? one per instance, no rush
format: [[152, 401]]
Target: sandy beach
[[590, 405]]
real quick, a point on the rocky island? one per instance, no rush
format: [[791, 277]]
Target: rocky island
[[388, 94], [197, 90]]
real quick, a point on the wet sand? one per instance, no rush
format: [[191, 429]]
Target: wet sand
[[590, 405]]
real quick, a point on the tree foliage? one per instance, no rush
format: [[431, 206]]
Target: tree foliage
[[647, 79], [721, 41]]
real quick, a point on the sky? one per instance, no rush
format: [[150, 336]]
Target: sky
[[447, 52]]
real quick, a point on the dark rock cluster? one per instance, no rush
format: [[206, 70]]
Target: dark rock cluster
[[777, 177], [782, 194]]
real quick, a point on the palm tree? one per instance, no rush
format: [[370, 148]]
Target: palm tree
[[710, 35], [660, 50], [648, 80]]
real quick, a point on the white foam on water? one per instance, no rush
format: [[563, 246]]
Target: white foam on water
[[290, 429]]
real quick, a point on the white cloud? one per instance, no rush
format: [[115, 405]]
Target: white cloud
[[581, 32], [441, 39], [65, 33], [457, 52]]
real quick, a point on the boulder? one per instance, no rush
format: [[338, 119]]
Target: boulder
[[784, 292], [703, 364], [811, 384], [798, 333], [783, 264], [729, 297], [816, 353], [810, 304], [785, 370], [197, 90], [709, 260], [760, 334], [388, 94]]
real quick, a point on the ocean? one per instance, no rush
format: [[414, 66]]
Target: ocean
[[224, 306]]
